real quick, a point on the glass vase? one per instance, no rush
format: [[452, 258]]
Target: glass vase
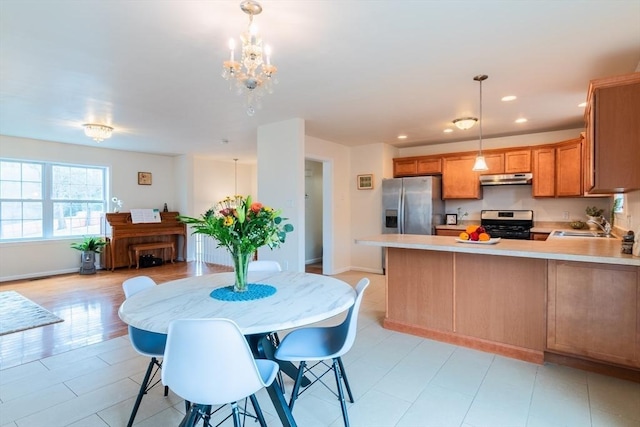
[[240, 267]]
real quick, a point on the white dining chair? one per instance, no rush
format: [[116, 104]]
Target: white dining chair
[[264, 265], [319, 344], [208, 362], [145, 343]]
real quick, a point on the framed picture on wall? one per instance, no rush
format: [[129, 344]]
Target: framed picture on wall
[[144, 178], [365, 182], [452, 219]]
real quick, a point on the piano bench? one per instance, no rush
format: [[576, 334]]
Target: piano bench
[[136, 249]]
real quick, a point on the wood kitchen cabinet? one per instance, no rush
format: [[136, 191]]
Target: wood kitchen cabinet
[[517, 161], [593, 311], [417, 166], [612, 146], [495, 163], [459, 181], [539, 236], [557, 170], [448, 232]]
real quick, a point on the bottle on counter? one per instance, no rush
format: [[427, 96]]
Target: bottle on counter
[[636, 245], [628, 242], [165, 209]]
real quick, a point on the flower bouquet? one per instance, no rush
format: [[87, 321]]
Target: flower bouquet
[[241, 226]]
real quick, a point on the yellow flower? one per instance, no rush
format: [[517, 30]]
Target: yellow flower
[[228, 221]]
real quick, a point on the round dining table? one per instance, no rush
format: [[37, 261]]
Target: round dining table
[[300, 299]]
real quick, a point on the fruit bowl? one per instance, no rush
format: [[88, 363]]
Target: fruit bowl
[[577, 225]]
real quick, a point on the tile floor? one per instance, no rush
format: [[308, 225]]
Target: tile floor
[[398, 380]]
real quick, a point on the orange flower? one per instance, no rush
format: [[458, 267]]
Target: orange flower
[[255, 207]]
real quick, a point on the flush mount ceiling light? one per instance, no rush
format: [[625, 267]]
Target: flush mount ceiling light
[[97, 132], [465, 123], [480, 164], [253, 75]]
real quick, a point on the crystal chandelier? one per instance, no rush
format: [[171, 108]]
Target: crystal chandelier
[[97, 132], [253, 75], [480, 164]]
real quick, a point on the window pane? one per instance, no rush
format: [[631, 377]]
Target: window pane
[[32, 190], [75, 183], [20, 220], [77, 219], [10, 189]]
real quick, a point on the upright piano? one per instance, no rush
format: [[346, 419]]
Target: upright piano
[[125, 233]]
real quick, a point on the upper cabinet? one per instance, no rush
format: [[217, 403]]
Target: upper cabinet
[[458, 180], [517, 161], [416, 166], [612, 140], [557, 169]]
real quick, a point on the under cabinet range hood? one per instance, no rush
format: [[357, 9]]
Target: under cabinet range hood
[[507, 179]]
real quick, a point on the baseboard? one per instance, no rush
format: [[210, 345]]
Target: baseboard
[[313, 261], [38, 274], [368, 270]]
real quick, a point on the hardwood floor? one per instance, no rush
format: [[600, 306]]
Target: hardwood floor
[[87, 303]]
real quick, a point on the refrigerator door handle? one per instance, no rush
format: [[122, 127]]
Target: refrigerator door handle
[[401, 211]]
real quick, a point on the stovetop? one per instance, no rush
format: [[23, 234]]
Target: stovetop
[[508, 224]]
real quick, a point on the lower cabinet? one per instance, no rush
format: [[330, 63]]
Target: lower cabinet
[[448, 232], [593, 311], [539, 236]]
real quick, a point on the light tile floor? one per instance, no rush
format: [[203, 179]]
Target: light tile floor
[[398, 380]]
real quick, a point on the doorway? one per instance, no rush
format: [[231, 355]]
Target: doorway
[[313, 195]]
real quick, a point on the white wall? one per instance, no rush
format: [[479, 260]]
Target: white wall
[[281, 186], [32, 259], [337, 182]]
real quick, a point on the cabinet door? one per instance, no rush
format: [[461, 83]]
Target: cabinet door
[[495, 163], [448, 232], [405, 167], [517, 161], [569, 170], [592, 311], [429, 166], [539, 236], [617, 137], [544, 172], [459, 181]]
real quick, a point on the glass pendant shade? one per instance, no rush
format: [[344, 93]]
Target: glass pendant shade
[[480, 164]]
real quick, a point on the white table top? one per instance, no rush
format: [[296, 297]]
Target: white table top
[[301, 299]]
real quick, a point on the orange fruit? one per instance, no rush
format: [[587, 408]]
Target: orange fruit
[[471, 229], [483, 237], [464, 236]]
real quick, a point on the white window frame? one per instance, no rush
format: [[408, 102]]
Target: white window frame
[[48, 219]]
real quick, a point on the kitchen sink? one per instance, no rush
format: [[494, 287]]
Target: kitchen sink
[[560, 233]]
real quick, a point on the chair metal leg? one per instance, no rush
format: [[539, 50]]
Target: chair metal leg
[[256, 407], [236, 414], [191, 417], [343, 404], [143, 390], [344, 378], [296, 385]]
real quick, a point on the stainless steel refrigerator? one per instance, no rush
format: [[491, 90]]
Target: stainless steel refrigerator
[[412, 205]]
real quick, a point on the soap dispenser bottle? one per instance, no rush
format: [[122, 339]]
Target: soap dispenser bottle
[[636, 245]]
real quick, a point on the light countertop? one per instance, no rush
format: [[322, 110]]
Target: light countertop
[[582, 249]]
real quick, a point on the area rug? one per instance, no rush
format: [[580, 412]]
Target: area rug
[[18, 313]]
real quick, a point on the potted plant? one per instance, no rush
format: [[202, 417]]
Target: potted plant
[[594, 214], [89, 247]]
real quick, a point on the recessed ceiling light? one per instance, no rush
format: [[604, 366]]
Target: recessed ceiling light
[[402, 136], [224, 141], [582, 104], [448, 130], [509, 98], [521, 120]]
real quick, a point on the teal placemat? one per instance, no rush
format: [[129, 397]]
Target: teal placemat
[[254, 291]]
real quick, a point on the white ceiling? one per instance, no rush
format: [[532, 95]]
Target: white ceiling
[[358, 72]]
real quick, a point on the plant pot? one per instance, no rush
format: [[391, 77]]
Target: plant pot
[[88, 262]]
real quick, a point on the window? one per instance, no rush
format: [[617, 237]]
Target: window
[[47, 200]]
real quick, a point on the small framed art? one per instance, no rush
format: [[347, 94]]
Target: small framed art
[[452, 219], [365, 182], [144, 178]]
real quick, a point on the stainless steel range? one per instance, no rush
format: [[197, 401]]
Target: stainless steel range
[[507, 224]]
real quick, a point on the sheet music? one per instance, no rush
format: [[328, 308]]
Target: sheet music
[[145, 215]]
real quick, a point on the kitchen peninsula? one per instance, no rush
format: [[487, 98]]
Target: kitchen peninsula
[[531, 300]]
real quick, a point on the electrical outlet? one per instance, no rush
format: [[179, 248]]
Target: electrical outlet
[[565, 215]]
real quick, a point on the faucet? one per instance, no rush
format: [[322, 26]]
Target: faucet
[[606, 228]]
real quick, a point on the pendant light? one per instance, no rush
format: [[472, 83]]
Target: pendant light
[[480, 164]]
